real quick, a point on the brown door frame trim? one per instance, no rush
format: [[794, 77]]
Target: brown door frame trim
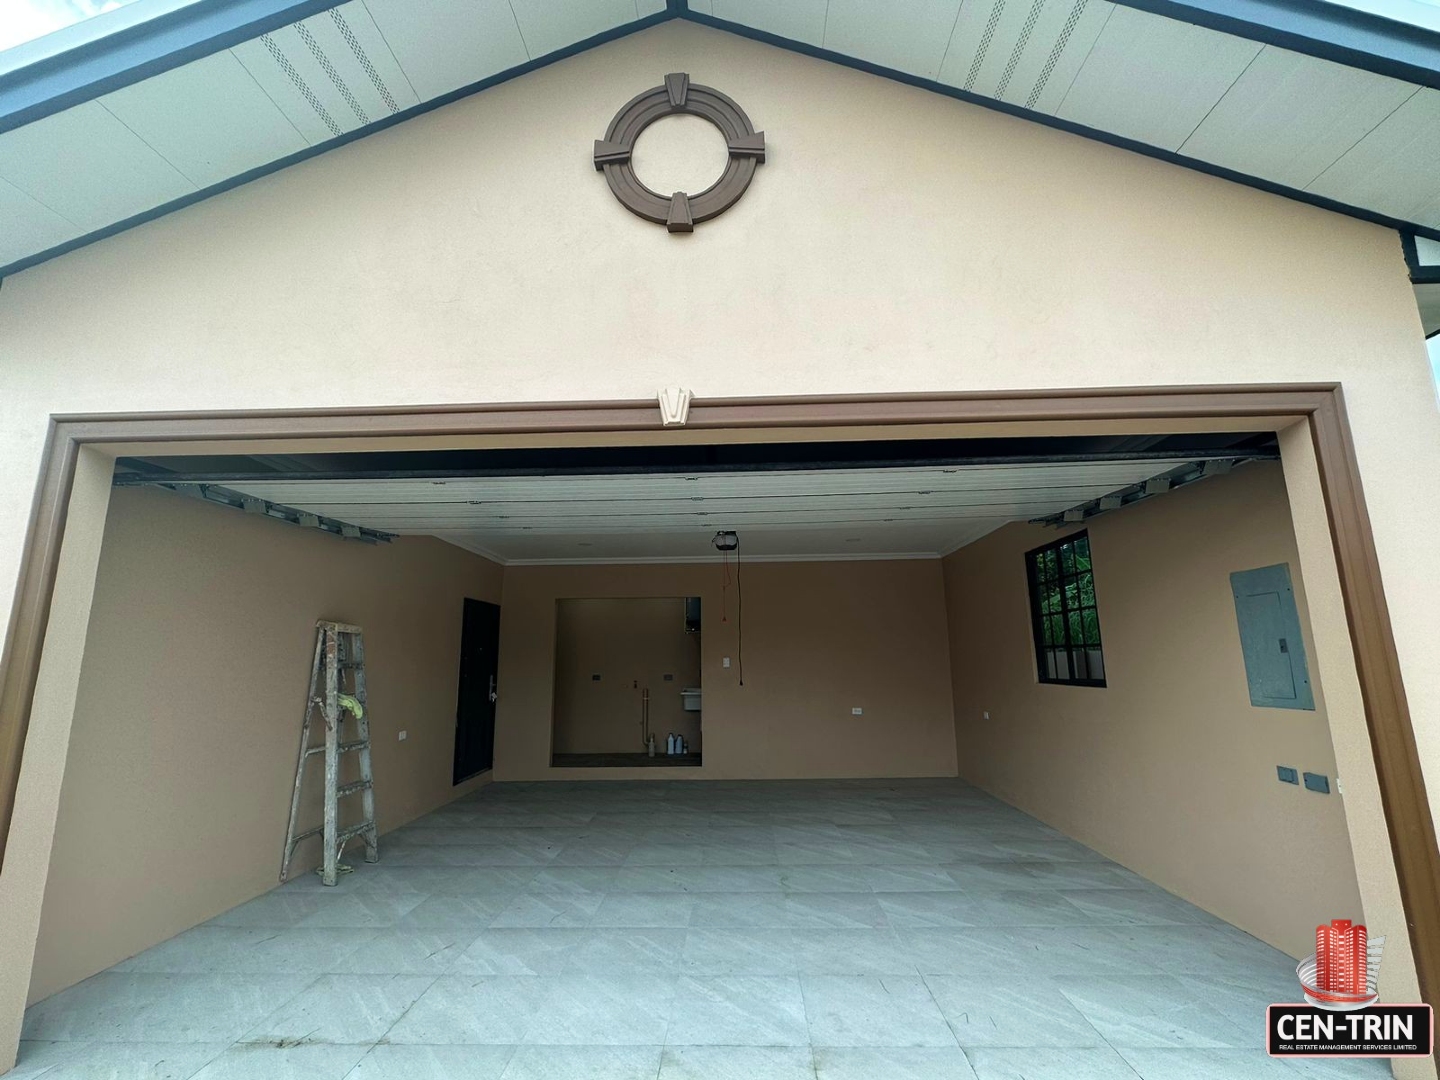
[[1392, 738]]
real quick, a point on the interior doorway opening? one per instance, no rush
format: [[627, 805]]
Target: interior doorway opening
[[627, 682]]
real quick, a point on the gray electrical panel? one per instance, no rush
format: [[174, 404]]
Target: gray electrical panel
[[1270, 638]]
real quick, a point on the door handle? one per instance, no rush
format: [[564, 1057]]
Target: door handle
[[492, 688]]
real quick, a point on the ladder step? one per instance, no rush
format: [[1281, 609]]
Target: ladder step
[[350, 789], [343, 748], [346, 835]]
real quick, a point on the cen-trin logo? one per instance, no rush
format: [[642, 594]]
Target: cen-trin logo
[[1342, 1017]]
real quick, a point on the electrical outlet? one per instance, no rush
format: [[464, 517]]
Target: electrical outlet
[[857, 711], [1317, 782], [404, 735], [725, 662]]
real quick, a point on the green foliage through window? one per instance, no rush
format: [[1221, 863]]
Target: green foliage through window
[[1064, 615]]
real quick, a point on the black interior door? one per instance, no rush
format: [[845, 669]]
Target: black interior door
[[475, 710]]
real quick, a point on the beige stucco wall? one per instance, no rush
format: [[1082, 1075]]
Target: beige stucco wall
[[893, 241], [1168, 769], [182, 754], [632, 644], [819, 640]]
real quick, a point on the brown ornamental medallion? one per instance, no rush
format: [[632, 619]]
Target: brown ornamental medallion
[[679, 212]]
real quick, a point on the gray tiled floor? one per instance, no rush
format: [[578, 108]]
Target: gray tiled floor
[[846, 930]]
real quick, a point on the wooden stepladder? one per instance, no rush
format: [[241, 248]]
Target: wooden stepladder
[[337, 693]]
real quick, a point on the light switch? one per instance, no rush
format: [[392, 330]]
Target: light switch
[[404, 735], [725, 662], [1287, 775]]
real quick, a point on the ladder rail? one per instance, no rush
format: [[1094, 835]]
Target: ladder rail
[[290, 838], [330, 867], [362, 726]]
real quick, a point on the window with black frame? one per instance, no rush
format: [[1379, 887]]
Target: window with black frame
[[1063, 613]]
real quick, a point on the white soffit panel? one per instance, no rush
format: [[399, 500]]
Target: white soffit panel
[[1396, 166], [1023, 53], [798, 20], [907, 35], [546, 25], [1289, 117], [87, 166], [446, 44], [1154, 79], [29, 225], [330, 73], [209, 119]]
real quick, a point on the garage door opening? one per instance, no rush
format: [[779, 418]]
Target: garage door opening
[[1005, 709]]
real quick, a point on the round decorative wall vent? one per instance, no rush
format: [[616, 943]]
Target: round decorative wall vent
[[679, 212]]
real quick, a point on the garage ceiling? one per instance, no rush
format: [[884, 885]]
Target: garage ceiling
[[779, 513], [1302, 97]]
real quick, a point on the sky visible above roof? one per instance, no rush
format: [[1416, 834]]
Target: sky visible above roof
[[26, 20]]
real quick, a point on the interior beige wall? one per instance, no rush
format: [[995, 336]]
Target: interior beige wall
[[182, 752], [819, 640], [633, 644], [1168, 769]]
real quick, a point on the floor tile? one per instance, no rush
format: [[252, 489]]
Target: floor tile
[[475, 911], [763, 910], [733, 951], [497, 1009], [634, 951], [361, 909], [390, 1061], [736, 1063], [342, 1009], [604, 1010], [522, 951], [212, 949], [317, 1061], [1027, 1010], [738, 1010], [850, 952], [834, 911], [133, 1061], [1031, 1063], [1171, 1064], [584, 1063], [827, 879], [892, 1063], [592, 924], [532, 909], [36, 1056], [406, 952], [866, 1010], [1150, 1011], [644, 909], [1149, 905]]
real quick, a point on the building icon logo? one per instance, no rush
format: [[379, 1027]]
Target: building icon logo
[[1341, 974]]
